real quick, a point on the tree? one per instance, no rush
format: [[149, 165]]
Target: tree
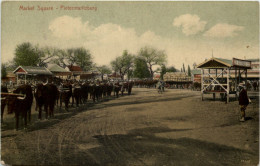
[[123, 63], [163, 71], [3, 70], [80, 57], [72, 56], [189, 71], [83, 58], [26, 55], [130, 73], [60, 58], [171, 69], [117, 65], [47, 55], [104, 70], [183, 68], [152, 57], [140, 68]]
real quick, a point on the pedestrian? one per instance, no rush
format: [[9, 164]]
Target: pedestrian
[[130, 85], [243, 101]]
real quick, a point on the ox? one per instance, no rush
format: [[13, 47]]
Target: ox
[[46, 96], [77, 95], [21, 105], [65, 95], [117, 88], [3, 102]]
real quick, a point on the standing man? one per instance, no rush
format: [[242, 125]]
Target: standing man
[[243, 101], [129, 89]]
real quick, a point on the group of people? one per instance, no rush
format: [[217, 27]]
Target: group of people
[[160, 86]]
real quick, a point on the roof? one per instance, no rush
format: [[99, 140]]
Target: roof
[[253, 60], [74, 68], [177, 74], [227, 61], [57, 69], [195, 71], [32, 70], [215, 63]]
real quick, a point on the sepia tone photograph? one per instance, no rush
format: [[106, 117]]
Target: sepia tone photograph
[[134, 83]]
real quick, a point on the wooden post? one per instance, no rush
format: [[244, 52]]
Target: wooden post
[[202, 73], [25, 79], [214, 94], [236, 82], [228, 89], [17, 79], [239, 75], [246, 75], [216, 74]]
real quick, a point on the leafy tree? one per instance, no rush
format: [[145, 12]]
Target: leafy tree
[[171, 69], [60, 58], [163, 71], [26, 55], [117, 65], [140, 68], [130, 73], [72, 56], [83, 58], [47, 55], [104, 70], [123, 63], [183, 67], [3, 70], [189, 71], [152, 57]]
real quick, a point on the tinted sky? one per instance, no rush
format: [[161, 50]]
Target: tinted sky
[[187, 31]]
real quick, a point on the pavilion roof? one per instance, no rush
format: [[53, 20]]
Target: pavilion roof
[[33, 70], [215, 63]]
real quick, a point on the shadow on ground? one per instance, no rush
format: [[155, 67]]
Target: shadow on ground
[[142, 147]]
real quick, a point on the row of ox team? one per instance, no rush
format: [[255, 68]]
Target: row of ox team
[[48, 95]]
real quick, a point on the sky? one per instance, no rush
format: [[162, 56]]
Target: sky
[[188, 32]]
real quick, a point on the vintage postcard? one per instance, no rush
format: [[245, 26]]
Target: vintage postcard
[[130, 83]]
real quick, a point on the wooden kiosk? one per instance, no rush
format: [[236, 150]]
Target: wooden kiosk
[[222, 76]]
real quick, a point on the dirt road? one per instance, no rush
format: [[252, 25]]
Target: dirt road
[[146, 128]]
